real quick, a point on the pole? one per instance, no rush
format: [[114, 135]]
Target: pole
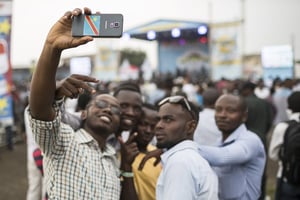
[[293, 55], [243, 39]]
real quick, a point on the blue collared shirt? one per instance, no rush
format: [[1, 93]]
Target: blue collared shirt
[[186, 175], [239, 163]]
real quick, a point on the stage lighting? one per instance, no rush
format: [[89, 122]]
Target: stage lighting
[[202, 30], [203, 40], [175, 33], [151, 35]]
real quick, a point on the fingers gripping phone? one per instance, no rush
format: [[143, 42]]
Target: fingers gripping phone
[[98, 25]]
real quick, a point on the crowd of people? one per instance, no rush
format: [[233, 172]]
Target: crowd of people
[[162, 140]]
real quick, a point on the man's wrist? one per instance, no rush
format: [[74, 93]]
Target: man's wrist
[[59, 101], [125, 174], [125, 167]]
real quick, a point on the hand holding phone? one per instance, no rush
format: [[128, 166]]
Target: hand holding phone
[[98, 25]]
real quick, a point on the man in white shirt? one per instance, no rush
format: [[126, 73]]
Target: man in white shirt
[[34, 175], [207, 132], [185, 174]]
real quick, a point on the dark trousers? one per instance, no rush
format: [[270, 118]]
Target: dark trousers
[[285, 191], [9, 137], [263, 186]]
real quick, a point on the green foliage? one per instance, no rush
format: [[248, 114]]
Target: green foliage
[[134, 57]]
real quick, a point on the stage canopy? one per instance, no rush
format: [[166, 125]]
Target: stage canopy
[[165, 29]]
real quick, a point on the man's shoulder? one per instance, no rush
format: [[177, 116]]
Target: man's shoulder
[[190, 160], [256, 100], [250, 136], [253, 143], [184, 151], [280, 127]]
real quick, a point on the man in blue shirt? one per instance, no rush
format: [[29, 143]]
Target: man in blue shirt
[[240, 159]]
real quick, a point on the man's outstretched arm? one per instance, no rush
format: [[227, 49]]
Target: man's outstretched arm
[[43, 87]]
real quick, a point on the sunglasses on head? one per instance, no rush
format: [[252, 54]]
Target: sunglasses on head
[[176, 100], [103, 104]]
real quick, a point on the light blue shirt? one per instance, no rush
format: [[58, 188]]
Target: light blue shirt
[[239, 164], [186, 175]]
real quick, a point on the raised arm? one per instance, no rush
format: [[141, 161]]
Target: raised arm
[[42, 92], [73, 85]]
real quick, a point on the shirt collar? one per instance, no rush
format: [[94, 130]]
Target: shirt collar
[[83, 137], [295, 116], [234, 135], [186, 144]]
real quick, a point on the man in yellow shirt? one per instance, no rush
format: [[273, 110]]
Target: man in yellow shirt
[[145, 179]]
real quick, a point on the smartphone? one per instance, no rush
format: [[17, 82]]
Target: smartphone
[[98, 25]]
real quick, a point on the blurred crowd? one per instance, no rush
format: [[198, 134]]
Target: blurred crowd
[[202, 94]]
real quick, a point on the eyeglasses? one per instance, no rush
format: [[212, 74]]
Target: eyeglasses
[[176, 99], [103, 104]]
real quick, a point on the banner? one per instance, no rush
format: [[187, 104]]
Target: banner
[[277, 62], [226, 56], [106, 64], [6, 101]]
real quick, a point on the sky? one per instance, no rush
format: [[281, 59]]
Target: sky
[[267, 22]]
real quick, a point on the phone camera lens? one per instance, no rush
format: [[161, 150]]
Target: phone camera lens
[[116, 24]]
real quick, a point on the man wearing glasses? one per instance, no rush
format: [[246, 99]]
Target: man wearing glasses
[[77, 164], [185, 174]]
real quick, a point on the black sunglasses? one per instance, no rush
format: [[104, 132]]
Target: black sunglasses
[[176, 99], [103, 104]]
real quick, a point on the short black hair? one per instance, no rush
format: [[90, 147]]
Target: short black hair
[[210, 96], [147, 106], [243, 106], [248, 85], [150, 106], [294, 102], [127, 85], [194, 110]]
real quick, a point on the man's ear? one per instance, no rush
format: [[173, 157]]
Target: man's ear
[[83, 115], [191, 126], [245, 116]]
